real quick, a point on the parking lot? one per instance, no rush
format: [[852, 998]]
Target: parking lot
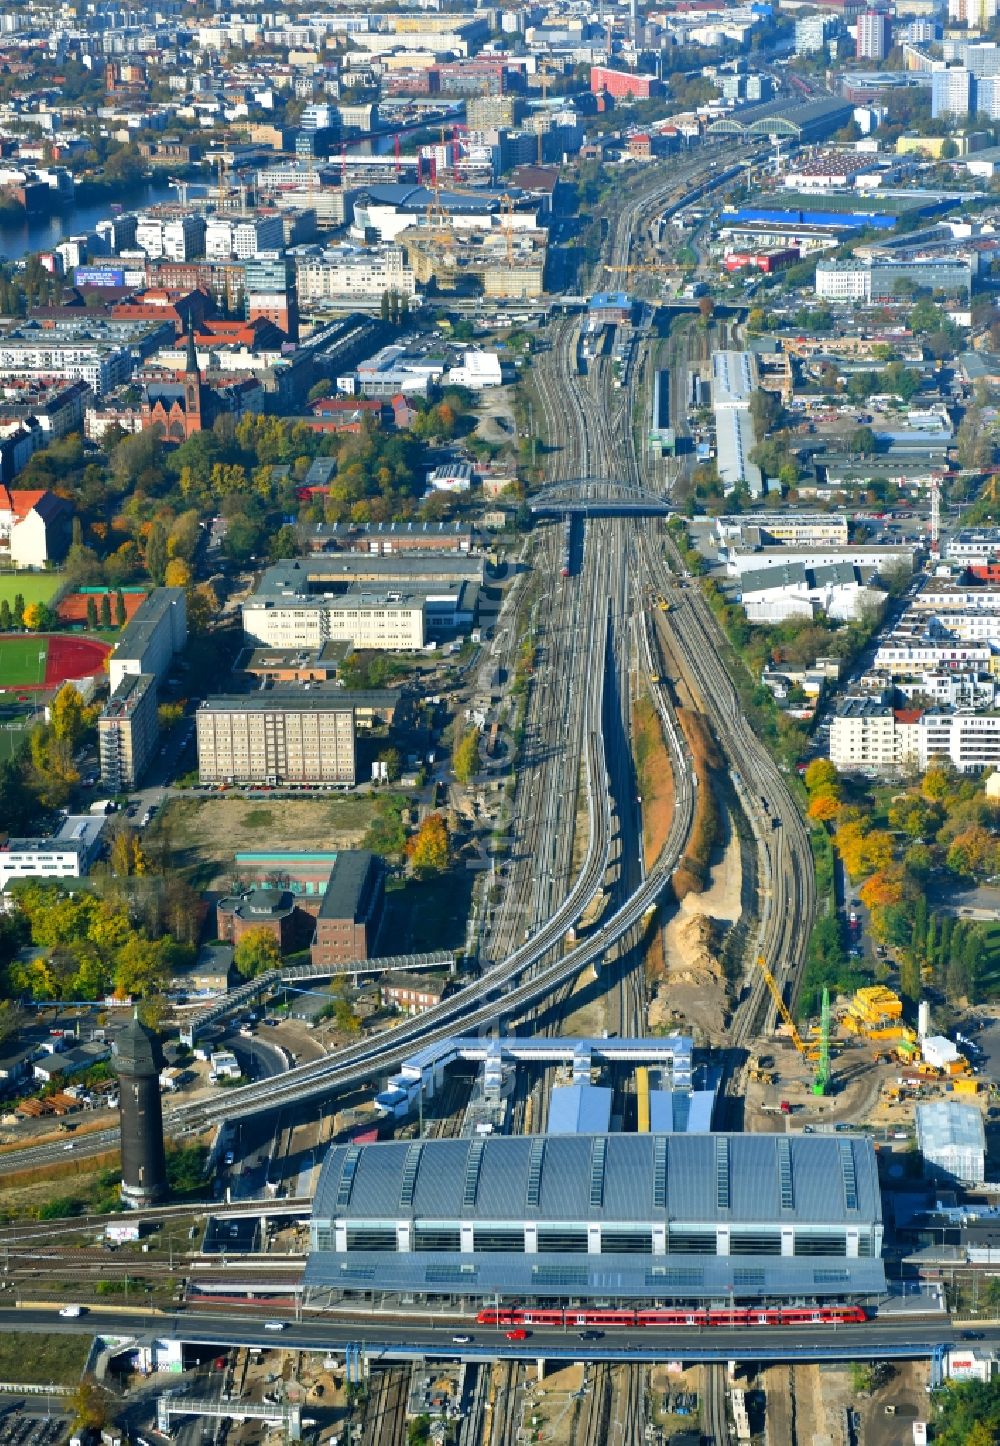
[[32, 1422], [229, 1237]]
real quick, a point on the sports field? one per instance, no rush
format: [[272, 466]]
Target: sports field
[[37, 587], [22, 661], [46, 660]]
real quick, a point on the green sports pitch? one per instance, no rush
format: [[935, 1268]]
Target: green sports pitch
[[22, 661]]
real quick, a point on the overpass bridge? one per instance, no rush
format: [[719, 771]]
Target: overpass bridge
[[594, 497]]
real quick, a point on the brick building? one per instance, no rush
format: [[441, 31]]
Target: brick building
[[275, 910], [350, 914], [623, 84]]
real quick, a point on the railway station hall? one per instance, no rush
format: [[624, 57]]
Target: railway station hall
[[602, 1219]]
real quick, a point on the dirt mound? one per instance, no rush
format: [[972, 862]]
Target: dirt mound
[[694, 989]]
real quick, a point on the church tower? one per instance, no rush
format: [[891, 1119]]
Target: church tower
[[192, 388]]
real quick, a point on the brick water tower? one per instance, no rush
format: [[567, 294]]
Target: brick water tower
[[137, 1062]]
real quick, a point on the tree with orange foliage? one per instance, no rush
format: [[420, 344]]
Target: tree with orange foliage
[[883, 889], [823, 807], [428, 849]]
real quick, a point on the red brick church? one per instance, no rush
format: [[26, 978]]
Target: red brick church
[[176, 410]]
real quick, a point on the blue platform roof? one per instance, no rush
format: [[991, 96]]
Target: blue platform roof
[[580, 1110], [610, 300]]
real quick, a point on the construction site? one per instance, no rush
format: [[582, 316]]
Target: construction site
[[861, 1065]]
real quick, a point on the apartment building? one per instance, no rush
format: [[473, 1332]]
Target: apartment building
[[348, 271], [866, 736], [277, 736], [156, 633], [412, 993], [127, 732], [903, 657], [971, 546], [178, 239], [101, 360], [242, 236], [869, 735], [792, 529]]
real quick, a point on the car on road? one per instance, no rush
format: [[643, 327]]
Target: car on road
[[589, 1335], [966, 1335], [274, 1325], [518, 1335], [461, 1340], [71, 1311]]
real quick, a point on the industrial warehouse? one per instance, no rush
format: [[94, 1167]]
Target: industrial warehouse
[[605, 1218]]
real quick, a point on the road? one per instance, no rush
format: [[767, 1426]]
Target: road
[[395, 1337]]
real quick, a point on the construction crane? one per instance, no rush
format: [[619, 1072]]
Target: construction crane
[[782, 1008], [818, 1054], [821, 1083]]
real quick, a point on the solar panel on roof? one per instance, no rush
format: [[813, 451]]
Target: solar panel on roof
[[473, 1162], [849, 1174], [598, 1160], [408, 1183], [722, 1172], [785, 1174], [660, 1172], [347, 1173], [535, 1157]]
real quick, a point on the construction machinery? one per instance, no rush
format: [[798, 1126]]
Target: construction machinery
[[876, 1013], [816, 1051]]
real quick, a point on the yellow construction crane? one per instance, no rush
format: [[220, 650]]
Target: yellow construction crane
[[782, 1008]]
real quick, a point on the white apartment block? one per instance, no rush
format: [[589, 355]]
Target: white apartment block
[[739, 561], [102, 365], [968, 547], [843, 280], [902, 659], [386, 623], [181, 239], [866, 737], [350, 272], [946, 598], [242, 237]]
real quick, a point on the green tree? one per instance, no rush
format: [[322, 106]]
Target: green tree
[[257, 952], [91, 612], [155, 553], [18, 610], [285, 543], [121, 615], [105, 611]]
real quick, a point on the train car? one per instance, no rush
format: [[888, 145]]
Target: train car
[[698, 1317], [566, 565]]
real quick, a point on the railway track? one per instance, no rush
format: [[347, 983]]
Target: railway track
[[385, 1411]]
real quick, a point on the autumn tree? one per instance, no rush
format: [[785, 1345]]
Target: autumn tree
[[67, 714], [257, 952], [428, 849], [465, 759], [972, 853], [820, 775], [33, 617], [177, 573], [91, 1404]]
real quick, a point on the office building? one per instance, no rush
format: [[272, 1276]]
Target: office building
[[127, 732], [242, 236], [302, 736], [624, 84], [153, 638], [349, 272], [270, 291], [67, 854], [814, 32]]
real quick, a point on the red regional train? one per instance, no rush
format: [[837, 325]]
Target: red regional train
[[784, 1315]]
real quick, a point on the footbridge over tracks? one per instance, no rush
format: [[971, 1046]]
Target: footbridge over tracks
[[286, 1414], [597, 497], [302, 974]]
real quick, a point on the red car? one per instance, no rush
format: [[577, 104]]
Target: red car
[[516, 1335]]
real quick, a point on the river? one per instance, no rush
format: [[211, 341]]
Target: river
[[41, 233]]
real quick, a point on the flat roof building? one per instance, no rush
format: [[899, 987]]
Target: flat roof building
[[277, 736], [664, 1217], [350, 915], [952, 1140], [155, 634], [127, 730]]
